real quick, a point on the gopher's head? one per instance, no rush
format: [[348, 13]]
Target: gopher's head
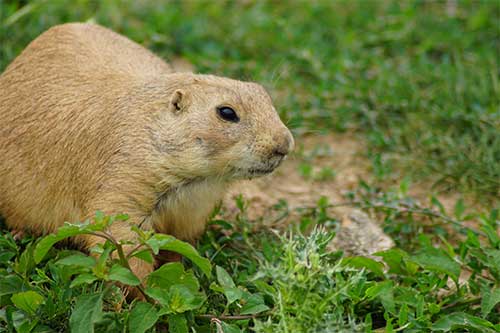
[[230, 129]]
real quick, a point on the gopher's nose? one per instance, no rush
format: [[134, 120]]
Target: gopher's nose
[[284, 144]]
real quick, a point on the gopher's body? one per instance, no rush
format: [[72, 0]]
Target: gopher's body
[[92, 121]]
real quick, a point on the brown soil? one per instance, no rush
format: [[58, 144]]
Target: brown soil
[[341, 152]]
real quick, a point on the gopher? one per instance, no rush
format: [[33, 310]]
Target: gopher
[[93, 121]]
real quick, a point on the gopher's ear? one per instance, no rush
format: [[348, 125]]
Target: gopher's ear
[[178, 101]]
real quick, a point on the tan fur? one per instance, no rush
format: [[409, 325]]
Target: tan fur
[[92, 121]]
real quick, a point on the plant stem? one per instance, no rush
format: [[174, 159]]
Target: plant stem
[[123, 258], [133, 250], [424, 212], [406, 209], [463, 302], [124, 262], [228, 317], [103, 235]]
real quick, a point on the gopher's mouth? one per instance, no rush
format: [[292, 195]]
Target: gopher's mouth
[[251, 173], [257, 172]]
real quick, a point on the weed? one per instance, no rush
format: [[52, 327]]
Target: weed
[[263, 282]]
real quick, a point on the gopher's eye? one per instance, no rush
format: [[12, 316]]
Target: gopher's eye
[[228, 114]]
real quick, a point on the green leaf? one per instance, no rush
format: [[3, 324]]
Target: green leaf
[[101, 222], [265, 288], [26, 326], [436, 202], [419, 307], [25, 262], [404, 186], [9, 317], [42, 329], [123, 275], [223, 224], [12, 284], [461, 320], [178, 299], [182, 299], [154, 243], [6, 256], [177, 324], [232, 294], [472, 240], [459, 209], [229, 328], [144, 255], [383, 291], [254, 304], [215, 287], [368, 321], [121, 217], [172, 274], [492, 234], [227, 284], [169, 243], [378, 288], [224, 278], [368, 263], [87, 311], [437, 260], [490, 298], [394, 258], [101, 267], [433, 308], [240, 203], [83, 279], [77, 260], [28, 301], [142, 317], [66, 231], [492, 259], [403, 315], [161, 297], [389, 327], [7, 242]]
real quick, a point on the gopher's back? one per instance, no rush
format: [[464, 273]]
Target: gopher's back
[[65, 103]]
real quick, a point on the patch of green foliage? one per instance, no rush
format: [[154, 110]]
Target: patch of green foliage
[[70, 290], [419, 78], [261, 281]]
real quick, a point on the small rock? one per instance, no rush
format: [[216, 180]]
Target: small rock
[[359, 235]]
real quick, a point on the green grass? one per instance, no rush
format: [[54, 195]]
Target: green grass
[[262, 281], [418, 80]]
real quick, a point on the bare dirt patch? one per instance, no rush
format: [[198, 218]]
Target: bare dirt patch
[[344, 154], [340, 153], [358, 234]]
